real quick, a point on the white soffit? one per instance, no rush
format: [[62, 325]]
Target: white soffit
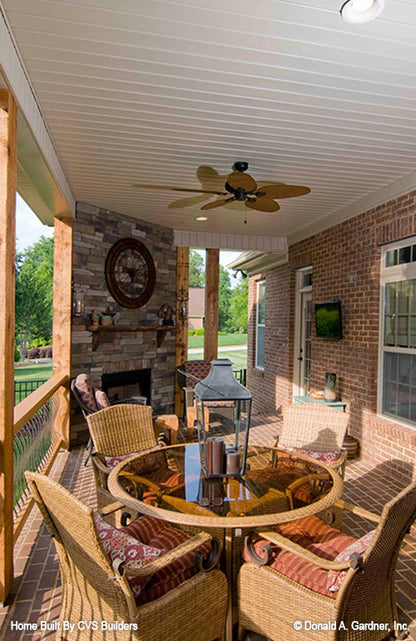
[[231, 242], [148, 91], [253, 263]]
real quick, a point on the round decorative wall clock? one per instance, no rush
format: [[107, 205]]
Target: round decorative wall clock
[[130, 273]]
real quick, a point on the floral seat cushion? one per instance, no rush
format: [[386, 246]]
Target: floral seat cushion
[[119, 545], [146, 539], [329, 457], [321, 539], [139, 466]]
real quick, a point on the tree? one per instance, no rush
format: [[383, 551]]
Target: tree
[[239, 307], [34, 292], [224, 299], [196, 269]]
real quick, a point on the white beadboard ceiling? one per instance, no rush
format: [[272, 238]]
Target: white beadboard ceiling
[[146, 91]]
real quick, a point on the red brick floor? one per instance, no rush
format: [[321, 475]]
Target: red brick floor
[[36, 592]]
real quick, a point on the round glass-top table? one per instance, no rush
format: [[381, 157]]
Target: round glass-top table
[[169, 483]]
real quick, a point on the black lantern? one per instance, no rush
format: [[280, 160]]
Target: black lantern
[[230, 402]]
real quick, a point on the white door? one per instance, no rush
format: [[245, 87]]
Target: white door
[[303, 330]]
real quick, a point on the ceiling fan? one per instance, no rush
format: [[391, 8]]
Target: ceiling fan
[[241, 187]]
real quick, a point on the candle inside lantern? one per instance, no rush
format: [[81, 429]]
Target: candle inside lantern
[[232, 462], [218, 448]]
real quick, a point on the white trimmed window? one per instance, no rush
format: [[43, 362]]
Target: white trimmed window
[[397, 362], [260, 323]]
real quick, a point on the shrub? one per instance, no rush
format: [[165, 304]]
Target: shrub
[[199, 332], [16, 354], [49, 352], [33, 352]]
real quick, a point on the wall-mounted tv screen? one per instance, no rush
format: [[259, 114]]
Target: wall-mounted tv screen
[[328, 320]]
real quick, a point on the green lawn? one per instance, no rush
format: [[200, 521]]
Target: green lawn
[[42, 371], [228, 339], [26, 374], [237, 357]]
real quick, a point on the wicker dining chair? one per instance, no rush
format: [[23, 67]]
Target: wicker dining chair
[[117, 432], [315, 430], [99, 602], [90, 400], [314, 573]]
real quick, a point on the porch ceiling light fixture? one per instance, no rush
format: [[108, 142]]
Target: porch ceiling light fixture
[[358, 11]]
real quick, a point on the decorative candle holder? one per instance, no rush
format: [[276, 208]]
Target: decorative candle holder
[[233, 401], [330, 394]]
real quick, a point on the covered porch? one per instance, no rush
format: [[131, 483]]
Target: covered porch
[[94, 117]]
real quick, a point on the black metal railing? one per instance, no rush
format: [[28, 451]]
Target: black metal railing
[[32, 445], [24, 388], [241, 376]]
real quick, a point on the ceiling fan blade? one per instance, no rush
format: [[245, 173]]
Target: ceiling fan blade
[[244, 181], [187, 202], [198, 191], [263, 204], [284, 191], [217, 203]]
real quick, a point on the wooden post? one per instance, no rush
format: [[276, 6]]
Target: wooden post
[[62, 301], [182, 295], [8, 178], [212, 283]]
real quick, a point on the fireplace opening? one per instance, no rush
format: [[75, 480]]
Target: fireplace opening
[[124, 385]]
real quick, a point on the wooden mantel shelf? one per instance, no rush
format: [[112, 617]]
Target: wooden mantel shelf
[[160, 330]]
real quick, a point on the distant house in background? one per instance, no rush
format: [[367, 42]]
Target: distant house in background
[[196, 308]]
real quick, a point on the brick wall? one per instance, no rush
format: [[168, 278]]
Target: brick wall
[[346, 266], [96, 230]]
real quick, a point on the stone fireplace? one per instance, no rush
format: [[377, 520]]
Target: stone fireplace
[[122, 353]]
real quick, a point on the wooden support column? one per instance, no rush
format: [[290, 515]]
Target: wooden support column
[[8, 177], [212, 283], [62, 302], [182, 297]]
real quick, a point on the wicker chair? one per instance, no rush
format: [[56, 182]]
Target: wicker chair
[[270, 602], [96, 590], [317, 430], [92, 400], [118, 431]]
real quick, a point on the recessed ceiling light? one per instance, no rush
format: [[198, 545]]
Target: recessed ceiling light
[[201, 218], [356, 11]]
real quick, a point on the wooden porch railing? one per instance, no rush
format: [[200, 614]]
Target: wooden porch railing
[[39, 425]]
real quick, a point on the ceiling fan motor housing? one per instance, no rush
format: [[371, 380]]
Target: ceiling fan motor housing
[[240, 166]]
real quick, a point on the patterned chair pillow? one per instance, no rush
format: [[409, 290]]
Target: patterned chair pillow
[[325, 457], [86, 392], [139, 543], [159, 533], [336, 577], [143, 465], [101, 399], [118, 544]]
